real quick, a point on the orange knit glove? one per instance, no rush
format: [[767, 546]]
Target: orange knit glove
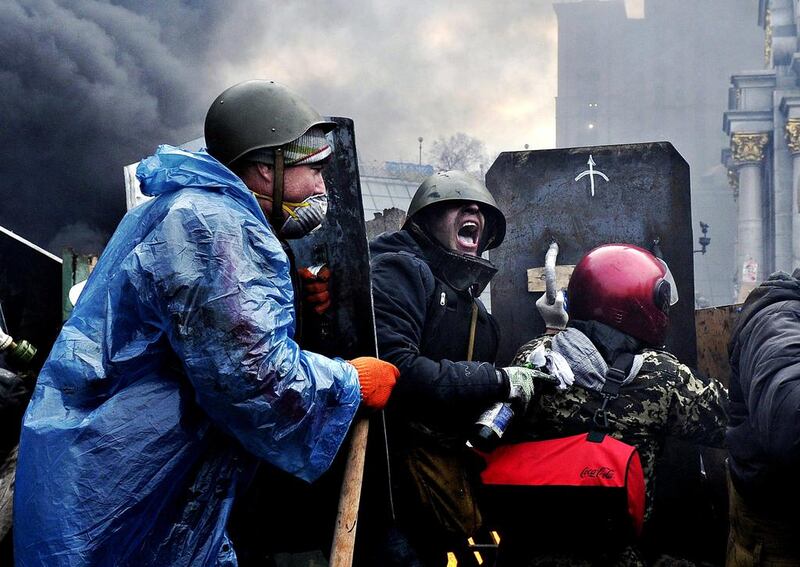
[[377, 379], [315, 288]]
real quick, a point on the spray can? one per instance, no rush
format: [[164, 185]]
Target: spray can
[[490, 427]]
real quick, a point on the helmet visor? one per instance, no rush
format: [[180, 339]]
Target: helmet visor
[[673, 289]]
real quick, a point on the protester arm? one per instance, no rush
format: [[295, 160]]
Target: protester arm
[[223, 289], [402, 289], [697, 407]]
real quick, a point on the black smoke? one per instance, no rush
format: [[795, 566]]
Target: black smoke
[[88, 87]]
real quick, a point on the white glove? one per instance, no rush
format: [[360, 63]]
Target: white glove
[[555, 316]]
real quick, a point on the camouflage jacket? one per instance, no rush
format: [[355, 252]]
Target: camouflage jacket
[[665, 398]]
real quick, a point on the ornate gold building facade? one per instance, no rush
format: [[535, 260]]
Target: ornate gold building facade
[[763, 156]]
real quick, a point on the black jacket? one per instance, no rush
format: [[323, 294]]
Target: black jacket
[[423, 328], [763, 436]]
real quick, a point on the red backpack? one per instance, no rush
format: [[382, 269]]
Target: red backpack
[[549, 491]]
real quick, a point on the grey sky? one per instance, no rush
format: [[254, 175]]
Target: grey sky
[[89, 86], [414, 69]]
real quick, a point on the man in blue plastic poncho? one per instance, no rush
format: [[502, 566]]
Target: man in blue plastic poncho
[[178, 370]]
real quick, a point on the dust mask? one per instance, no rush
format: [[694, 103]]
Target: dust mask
[[304, 217]]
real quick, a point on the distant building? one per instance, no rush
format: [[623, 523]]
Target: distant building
[[656, 70], [763, 154], [389, 185]]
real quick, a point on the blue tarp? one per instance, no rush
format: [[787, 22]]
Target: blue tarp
[[175, 372]]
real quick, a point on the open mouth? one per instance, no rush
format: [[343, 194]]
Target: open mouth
[[468, 235]]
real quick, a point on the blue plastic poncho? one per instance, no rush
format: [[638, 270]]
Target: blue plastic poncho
[[176, 369]]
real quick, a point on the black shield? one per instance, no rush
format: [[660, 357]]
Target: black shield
[[640, 195], [347, 329]]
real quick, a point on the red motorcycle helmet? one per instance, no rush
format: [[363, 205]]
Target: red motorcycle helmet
[[625, 287]]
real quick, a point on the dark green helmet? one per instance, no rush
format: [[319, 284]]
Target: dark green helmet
[[257, 114], [460, 186]]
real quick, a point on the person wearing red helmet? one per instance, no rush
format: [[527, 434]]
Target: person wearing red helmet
[[625, 287], [619, 298]]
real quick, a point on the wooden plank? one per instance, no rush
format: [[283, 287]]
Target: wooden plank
[[714, 326], [536, 278]]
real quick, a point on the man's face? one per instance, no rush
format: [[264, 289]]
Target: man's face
[[299, 183], [459, 227], [302, 181]]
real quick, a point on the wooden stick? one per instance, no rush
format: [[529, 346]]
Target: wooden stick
[[344, 537]]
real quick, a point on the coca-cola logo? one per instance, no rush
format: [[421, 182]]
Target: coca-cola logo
[[599, 472]]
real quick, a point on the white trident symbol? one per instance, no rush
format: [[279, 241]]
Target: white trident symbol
[[591, 172]]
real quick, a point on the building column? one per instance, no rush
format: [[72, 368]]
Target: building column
[[733, 181], [793, 142], [748, 153]]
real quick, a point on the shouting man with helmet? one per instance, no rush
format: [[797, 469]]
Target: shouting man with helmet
[[619, 297], [178, 371], [430, 323]]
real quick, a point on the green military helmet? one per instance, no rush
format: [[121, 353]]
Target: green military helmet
[[257, 114], [460, 186]]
